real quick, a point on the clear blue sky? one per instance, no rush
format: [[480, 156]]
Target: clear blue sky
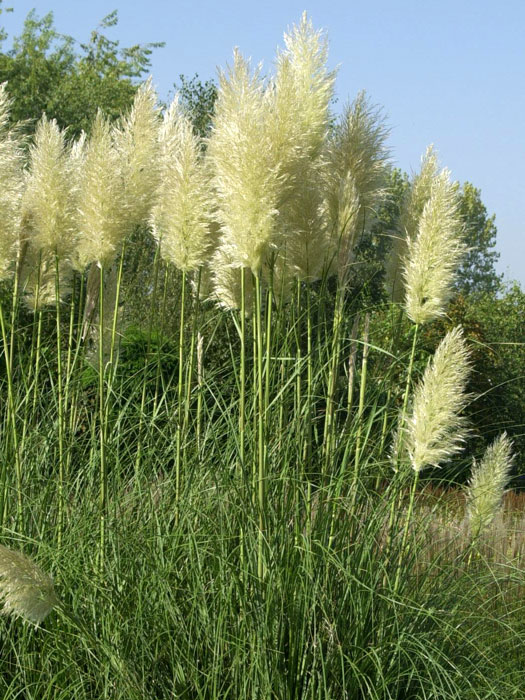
[[448, 72]]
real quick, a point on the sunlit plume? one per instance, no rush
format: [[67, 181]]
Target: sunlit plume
[[101, 215], [48, 206], [137, 143], [11, 176], [435, 428], [356, 176], [487, 484], [246, 178], [181, 216], [434, 253], [411, 210]]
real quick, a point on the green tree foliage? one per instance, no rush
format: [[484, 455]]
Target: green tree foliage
[[477, 274], [50, 72], [198, 99]]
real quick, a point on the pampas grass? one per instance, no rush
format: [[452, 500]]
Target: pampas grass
[[434, 254], [435, 428], [241, 535], [25, 590], [487, 484]]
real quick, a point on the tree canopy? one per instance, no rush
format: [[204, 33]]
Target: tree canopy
[[51, 72]]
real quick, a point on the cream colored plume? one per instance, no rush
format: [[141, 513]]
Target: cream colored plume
[[38, 277], [247, 180], [356, 175], [227, 281], [300, 96], [25, 590], [434, 253], [101, 216], [48, 205], [411, 210], [180, 218], [487, 484], [136, 141], [435, 429], [12, 179]]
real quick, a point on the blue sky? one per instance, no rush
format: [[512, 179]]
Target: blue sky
[[446, 72]]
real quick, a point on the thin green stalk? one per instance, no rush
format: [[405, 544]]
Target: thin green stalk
[[395, 502], [242, 375], [11, 419], [261, 452], [102, 428], [189, 373], [404, 544], [362, 393], [146, 362], [161, 329], [332, 380], [200, 386], [309, 408], [180, 393], [60, 400]]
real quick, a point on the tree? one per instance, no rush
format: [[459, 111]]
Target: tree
[[48, 72], [477, 274], [198, 99]]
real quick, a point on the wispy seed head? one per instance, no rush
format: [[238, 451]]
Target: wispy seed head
[[435, 429], [25, 590], [487, 484]]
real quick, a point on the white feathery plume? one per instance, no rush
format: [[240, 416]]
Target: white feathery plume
[[25, 590], [38, 277], [101, 219], [411, 210], [246, 178], [47, 205], [356, 175], [180, 218], [301, 94], [11, 176], [136, 141], [227, 280], [433, 255], [435, 429], [487, 484]]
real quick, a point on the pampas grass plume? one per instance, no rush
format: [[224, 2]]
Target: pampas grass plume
[[487, 484], [246, 179], [435, 429], [180, 217], [411, 210], [47, 202], [357, 160], [434, 253], [25, 590], [11, 176], [136, 141], [101, 216]]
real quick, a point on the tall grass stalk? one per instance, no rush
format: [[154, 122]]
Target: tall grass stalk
[[60, 405], [103, 481], [180, 394]]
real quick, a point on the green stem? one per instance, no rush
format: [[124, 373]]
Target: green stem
[[404, 544], [261, 452], [242, 377], [102, 427], [60, 400], [180, 394], [362, 393], [140, 429], [11, 419]]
